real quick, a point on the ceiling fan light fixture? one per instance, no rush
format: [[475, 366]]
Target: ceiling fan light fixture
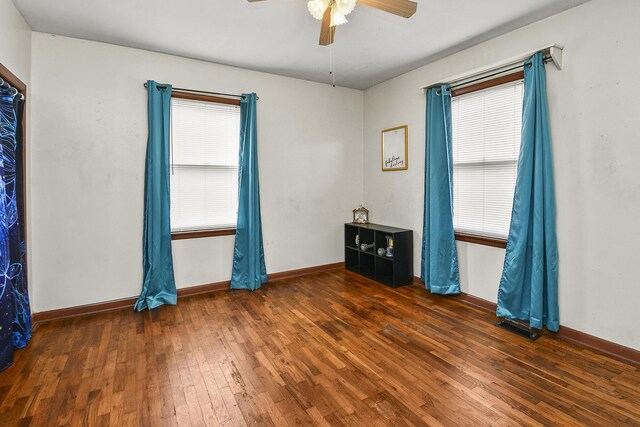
[[345, 7], [337, 18], [317, 8]]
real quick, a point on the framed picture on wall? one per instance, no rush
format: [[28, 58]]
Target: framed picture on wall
[[395, 148]]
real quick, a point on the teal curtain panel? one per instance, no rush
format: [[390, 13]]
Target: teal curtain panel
[[158, 286], [249, 271], [529, 283], [439, 257]]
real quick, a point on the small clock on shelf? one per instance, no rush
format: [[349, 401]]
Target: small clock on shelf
[[361, 215]]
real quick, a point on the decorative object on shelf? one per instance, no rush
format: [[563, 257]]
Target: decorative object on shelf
[[395, 148], [389, 246], [357, 240], [361, 215], [364, 247], [382, 251]]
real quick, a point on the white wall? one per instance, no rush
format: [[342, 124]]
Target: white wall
[[594, 105], [89, 125], [15, 41]]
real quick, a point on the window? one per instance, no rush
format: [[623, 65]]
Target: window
[[487, 124], [204, 165]]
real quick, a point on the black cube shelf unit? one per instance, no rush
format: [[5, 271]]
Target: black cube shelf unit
[[393, 271]]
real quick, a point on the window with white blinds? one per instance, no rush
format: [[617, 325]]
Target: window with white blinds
[[486, 146], [204, 165]]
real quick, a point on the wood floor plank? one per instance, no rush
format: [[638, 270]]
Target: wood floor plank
[[327, 349]]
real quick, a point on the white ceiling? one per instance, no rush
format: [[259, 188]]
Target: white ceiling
[[280, 37]]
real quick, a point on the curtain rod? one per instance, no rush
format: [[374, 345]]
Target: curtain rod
[[497, 73], [550, 53], [5, 85], [179, 89]]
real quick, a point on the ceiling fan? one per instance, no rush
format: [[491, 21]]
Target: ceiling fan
[[333, 12]]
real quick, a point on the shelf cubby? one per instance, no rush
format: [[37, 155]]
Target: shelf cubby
[[351, 259], [350, 237], [367, 265]]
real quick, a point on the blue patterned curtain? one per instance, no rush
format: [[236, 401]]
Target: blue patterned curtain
[[249, 271], [15, 313], [439, 270], [158, 286], [529, 283]]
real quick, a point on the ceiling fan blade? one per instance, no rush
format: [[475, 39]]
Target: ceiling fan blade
[[404, 8], [327, 32]]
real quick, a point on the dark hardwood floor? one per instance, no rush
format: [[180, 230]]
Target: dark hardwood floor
[[324, 349]]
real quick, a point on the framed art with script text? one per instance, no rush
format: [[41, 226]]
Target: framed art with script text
[[395, 148]]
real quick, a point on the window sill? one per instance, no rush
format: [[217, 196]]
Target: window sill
[[481, 240], [197, 234]]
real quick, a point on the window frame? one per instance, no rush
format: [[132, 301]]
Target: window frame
[[486, 84], [205, 232]]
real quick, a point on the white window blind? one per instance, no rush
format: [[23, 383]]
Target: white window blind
[[486, 146], [204, 165]]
